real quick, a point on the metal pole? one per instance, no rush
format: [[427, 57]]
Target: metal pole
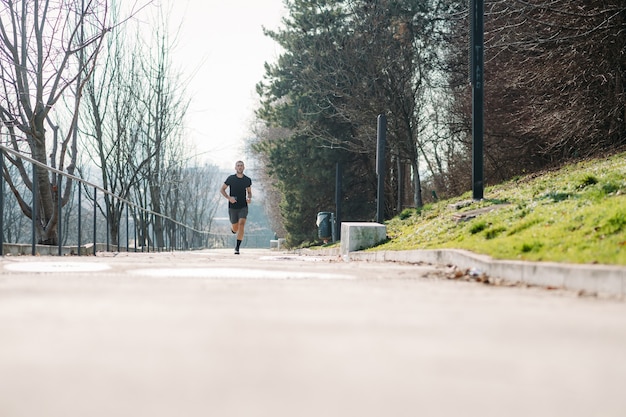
[[118, 218], [35, 212], [108, 222], [478, 83], [400, 186], [135, 227], [146, 240], [1, 203], [127, 227], [381, 142], [80, 206], [338, 197], [95, 211], [60, 217]]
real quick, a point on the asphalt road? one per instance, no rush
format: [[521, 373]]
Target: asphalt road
[[281, 335]]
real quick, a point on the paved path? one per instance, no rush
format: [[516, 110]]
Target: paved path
[[279, 335]]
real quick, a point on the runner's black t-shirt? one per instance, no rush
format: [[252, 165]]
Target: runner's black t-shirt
[[237, 188]]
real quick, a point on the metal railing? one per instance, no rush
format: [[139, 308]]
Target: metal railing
[[178, 237]]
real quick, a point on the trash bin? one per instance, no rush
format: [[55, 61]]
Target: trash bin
[[324, 225]]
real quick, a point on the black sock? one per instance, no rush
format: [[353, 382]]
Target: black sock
[[238, 243]]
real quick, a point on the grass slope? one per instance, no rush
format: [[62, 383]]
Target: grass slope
[[576, 214]]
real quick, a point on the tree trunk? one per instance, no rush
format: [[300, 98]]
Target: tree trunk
[[417, 185], [46, 219]]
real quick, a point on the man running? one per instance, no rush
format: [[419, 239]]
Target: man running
[[239, 195]]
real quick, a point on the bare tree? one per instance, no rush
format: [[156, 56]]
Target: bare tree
[[559, 74], [273, 195], [555, 88], [15, 228], [134, 126], [110, 122], [163, 103], [190, 196], [49, 49]]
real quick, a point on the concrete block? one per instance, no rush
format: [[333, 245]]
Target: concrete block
[[357, 236], [275, 244]]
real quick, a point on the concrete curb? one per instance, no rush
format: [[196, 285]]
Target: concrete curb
[[602, 280], [25, 249]]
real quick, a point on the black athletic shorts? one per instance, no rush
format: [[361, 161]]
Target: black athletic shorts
[[236, 214]]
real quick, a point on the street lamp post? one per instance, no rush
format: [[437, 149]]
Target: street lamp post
[[381, 143], [478, 82]]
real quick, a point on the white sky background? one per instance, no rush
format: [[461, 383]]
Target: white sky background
[[222, 49]]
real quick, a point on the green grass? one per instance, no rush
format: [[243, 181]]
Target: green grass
[[576, 214]]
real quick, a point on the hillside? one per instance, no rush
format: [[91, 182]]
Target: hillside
[[576, 214]]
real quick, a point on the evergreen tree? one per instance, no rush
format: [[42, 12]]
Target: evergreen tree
[[346, 62]]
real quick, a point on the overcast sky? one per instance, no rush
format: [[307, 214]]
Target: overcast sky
[[223, 49]]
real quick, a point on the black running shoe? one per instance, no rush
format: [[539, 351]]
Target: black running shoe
[[236, 251]]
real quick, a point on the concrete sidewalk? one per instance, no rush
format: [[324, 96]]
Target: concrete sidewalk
[[275, 334], [598, 280]]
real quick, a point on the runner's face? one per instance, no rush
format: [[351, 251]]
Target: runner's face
[[239, 167]]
